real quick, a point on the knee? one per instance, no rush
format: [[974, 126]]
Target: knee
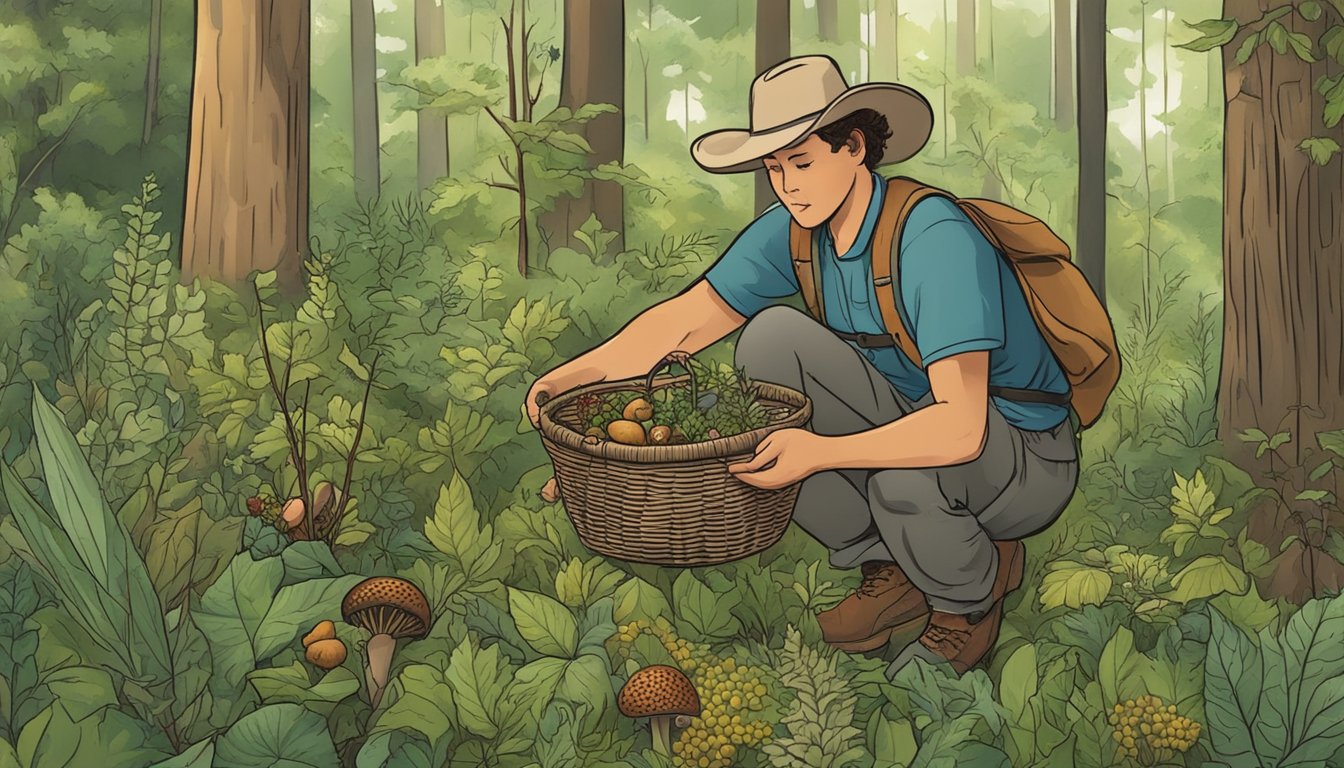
[[906, 492], [770, 336]]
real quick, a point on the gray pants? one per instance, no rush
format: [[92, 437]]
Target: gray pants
[[937, 523]]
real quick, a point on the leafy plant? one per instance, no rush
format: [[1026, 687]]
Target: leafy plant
[[820, 718]]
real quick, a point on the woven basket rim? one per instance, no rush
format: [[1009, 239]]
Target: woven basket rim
[[717, 448]]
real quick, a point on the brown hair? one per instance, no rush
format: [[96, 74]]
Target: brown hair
[[875, 130]]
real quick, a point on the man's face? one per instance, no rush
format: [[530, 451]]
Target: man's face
[[811, 180]]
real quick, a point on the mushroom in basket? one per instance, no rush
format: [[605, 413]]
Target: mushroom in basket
[[660, 693], [391, 609]]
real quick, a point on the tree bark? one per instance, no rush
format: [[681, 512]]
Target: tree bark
[[432, 148], [885, 61], [1283, 246], [1091, 227], [966, 37], [772, 47], [828, 20], [987, 13], [593, 72], [247, 164], [1063, 45], [1167, 126], [152, 70], [364, 81]]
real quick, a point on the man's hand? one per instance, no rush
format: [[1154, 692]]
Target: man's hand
[[784, 457]]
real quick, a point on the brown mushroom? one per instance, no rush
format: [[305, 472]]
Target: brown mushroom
[[292, 514], [660, 693], [390, 609], [324, 630]]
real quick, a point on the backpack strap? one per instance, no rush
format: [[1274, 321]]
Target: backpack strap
[[802, 248], [901, 195]]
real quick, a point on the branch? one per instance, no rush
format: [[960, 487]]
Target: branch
[[354, 448], [511, 187], [303, 458], [275, 387]]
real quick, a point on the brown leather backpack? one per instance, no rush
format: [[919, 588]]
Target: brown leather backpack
[[1066, 309]]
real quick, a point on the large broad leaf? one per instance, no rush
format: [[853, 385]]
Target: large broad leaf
[[1073, 584], [1205, 576], [1118, 672], [425, 704], [707, 613], [1233, 681], [279, 735], [638, 599], [478, 679], [544, 623], [281, 685], [107, 739], [187, 549], [1309, 660], [199, 755], [249, 617]]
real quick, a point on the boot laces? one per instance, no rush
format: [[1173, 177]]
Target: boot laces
[[945, 640], [875, 576]]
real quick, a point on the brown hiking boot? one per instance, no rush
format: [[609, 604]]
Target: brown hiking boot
[[883, 602], [962, 641]]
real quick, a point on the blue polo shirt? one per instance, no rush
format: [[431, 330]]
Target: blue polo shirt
[[957, 295]]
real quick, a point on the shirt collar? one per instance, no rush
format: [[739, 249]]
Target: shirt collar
[[865, 237]]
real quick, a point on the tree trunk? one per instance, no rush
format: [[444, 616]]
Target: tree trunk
[[772, 47], [1167, 126], [594, 73], [987, 13], [1143, 154], [364, 79], [828, 20], [1091, 228], [1063, 46], [431, 128], [247, 165], [152, 69], [965, 37], [1215, 72], [1283, 247], [884, 59]]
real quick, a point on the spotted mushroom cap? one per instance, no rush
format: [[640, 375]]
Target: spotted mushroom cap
[[658, 690], [387, 605]]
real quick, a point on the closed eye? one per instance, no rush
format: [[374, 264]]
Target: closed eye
[[802, 166]]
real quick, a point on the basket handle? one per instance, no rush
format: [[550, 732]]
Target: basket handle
[[678, 357]]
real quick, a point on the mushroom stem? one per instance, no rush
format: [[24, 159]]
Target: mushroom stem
[[661, 726], [379, 651]]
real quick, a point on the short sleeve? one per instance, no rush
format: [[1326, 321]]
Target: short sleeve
[[756, 270], [950, 285]]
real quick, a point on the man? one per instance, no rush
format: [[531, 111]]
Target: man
[[915, 476]]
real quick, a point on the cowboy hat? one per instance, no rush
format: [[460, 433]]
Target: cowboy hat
[[799, 95]]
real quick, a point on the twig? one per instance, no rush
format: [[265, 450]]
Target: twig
[[275, 387], [303, 458], [354, 449]]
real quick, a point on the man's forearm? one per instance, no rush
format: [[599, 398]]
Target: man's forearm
[[935, 436]]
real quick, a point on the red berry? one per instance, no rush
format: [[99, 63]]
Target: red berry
[[254, 505]]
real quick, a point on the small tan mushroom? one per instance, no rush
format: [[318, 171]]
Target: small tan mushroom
[[325, 630], [638, 409], [660, 693], [390, 609], [292, 514], [326, 654]]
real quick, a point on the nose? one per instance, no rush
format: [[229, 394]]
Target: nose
[[784, 181]]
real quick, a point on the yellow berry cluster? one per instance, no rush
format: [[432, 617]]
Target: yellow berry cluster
[[1148, 719], [729, 693]]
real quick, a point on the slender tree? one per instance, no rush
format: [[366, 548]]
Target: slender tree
[[828, 20], [152, 69], [1091, 228], [772, 47], [364, 82], [1063, 70], [965, 37], [593, 72], [1167, 126], [987, 14], [247, 162], [432, 148]]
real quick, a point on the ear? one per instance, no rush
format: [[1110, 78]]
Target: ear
[[855, 144]]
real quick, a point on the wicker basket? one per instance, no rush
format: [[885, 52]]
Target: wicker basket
[[675, 505]]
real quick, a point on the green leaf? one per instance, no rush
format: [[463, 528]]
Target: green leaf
[[545, 624], [581, 582], [425, 705], [278, 735], [1310, 10], [707, 613], [278, 685], [1214, 33], [1278, 37], [198, 755], [1313, 495], [1073, 584], [638, 599], [1249, 611], [1333, 41], [455, 529], [1278, 440], [1205, 576], [1017, 682], [82, 690], [1117, 671], [1322, 470], [349, 360], [585, 681], [534, 685], [1332, 441], [477, 677], [1301, 45], [1253, 435]]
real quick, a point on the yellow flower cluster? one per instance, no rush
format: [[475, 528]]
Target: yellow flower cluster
[[1148, 719], [729, 693]]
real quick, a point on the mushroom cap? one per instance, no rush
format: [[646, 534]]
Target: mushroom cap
[[658, 690], [387, 605]]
